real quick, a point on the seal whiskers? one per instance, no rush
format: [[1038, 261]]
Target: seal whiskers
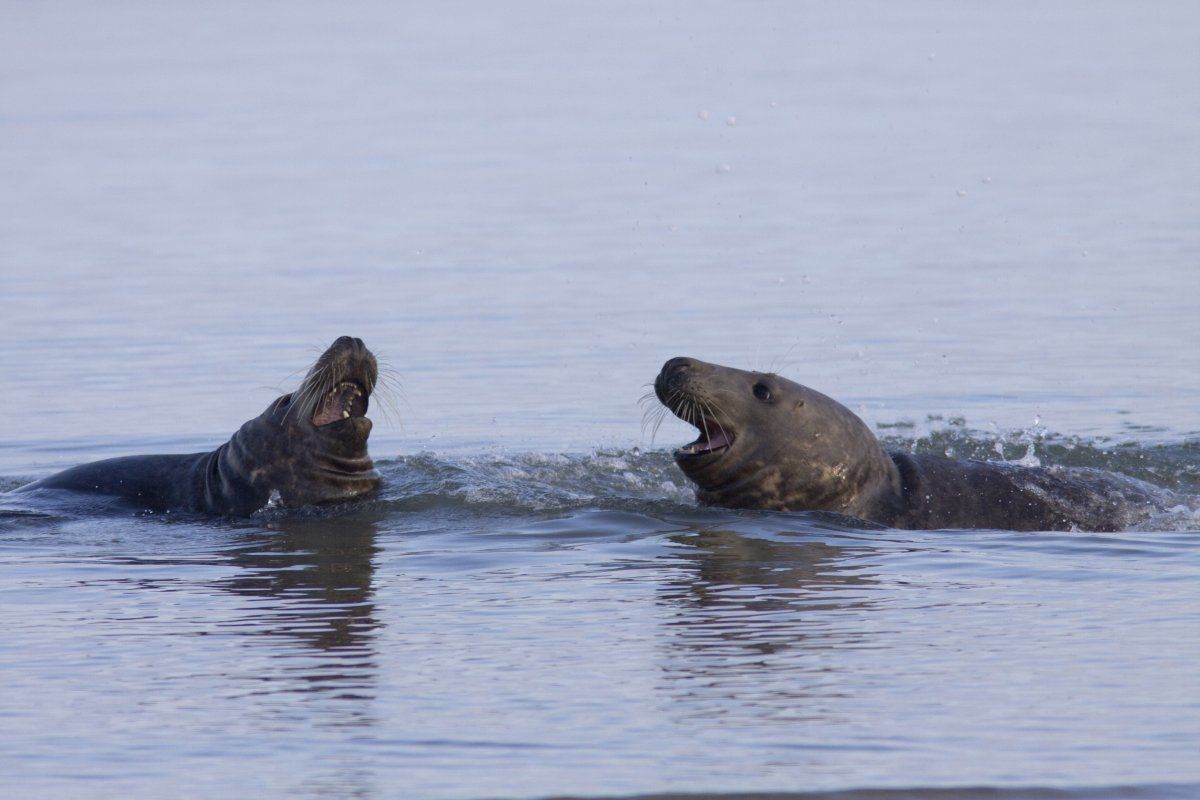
[[653, 414], [389, 392]]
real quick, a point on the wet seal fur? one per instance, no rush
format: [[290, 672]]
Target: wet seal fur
[[768, 443], [307, 447]]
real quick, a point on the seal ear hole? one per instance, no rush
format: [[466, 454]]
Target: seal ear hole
[[762, 392]]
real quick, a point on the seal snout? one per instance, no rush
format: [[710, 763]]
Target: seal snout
[[671, 378], [680, 387], [678, 363]]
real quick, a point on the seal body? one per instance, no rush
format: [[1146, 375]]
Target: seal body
[[769, 443], [307, 447], [947, 493]]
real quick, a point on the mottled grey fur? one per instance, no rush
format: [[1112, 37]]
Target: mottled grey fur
[[794, 449], [279, 452]]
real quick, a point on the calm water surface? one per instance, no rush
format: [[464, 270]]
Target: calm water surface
[[976, 227]]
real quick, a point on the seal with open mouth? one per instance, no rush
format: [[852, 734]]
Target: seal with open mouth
[[768, 443], [307, 447]]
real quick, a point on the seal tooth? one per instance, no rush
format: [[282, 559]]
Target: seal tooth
[[345, 414]]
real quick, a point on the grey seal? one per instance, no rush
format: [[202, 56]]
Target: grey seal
[[308, 447], [769, 443]]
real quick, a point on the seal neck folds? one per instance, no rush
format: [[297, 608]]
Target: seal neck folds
[[766, 442]]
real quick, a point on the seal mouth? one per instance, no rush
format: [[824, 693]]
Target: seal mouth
[[345, 400], [714, 438], [338, 387]]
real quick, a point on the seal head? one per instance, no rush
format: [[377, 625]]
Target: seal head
[[308, 447], [768, 443]]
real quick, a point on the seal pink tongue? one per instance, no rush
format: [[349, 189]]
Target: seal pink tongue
[[717, 439], [330, 411]]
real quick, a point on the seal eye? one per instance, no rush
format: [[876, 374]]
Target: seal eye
[[762, 392]]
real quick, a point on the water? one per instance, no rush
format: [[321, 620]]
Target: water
[[975, 226]]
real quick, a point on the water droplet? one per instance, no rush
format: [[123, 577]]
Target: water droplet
[[731, 121], [961, 193], [702, 114], [724, 168]]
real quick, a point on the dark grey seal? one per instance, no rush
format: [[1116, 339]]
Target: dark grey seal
[[768, 443], [307, 447]]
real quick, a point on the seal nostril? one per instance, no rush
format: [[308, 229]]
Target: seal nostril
[[677, 364]]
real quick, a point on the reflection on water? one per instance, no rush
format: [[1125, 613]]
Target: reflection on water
[[308, 581], [322, 569], [779, 572], [479, 653], [752, 620]]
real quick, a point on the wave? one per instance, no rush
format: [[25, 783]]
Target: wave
[[635, 479], [538, 481], [1174, 466], [648, 481]]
